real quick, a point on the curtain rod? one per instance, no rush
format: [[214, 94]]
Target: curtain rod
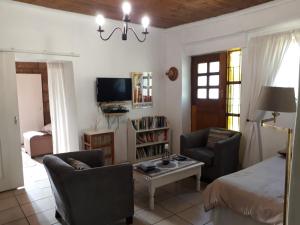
[[71, 54]]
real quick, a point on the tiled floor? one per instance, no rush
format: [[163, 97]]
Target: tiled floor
[[175, 204]]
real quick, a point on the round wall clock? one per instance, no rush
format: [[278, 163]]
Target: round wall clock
[[172, 73]]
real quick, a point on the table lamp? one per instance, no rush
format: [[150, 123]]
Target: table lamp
[[276, 100]]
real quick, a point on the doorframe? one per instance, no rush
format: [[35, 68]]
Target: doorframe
[[221, 56]]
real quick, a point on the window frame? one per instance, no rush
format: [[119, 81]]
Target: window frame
[[228, 84], [207, 87]]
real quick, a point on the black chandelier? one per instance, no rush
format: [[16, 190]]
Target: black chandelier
[[126, 7]]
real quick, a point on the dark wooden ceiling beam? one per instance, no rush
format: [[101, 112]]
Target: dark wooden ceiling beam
[[163, 13]]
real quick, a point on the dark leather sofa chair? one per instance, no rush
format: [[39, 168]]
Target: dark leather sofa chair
[[101, 195], [220, 160]]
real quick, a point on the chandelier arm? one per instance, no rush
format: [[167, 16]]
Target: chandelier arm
[[105, 39], [137, 37]]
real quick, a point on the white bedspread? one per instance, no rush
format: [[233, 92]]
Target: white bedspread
[[257, 191]]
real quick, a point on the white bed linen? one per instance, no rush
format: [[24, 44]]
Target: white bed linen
[[225, 216], [256, 192]]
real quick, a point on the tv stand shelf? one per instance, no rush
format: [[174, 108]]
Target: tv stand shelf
[[147, 137], [115, 116]]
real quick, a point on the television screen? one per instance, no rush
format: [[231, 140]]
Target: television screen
[[113, 89]]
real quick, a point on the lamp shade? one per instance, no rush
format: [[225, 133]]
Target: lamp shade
[[277, 99]]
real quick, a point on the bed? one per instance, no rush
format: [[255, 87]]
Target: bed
[[253, 196], [38, 143]]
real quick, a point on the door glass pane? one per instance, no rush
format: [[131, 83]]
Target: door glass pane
[[214, 80], [233, 123], [202, 80], [202, 68], [145, 81], [202, 93], [214, 93], [145, 92], [234, 69], [235, 59], [233, 98], [214, 67]]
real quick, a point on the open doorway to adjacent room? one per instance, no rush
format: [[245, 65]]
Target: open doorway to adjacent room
[[34, 117]]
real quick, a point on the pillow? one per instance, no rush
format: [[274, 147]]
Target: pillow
[[47, 128], [216, 135], [77, 165]]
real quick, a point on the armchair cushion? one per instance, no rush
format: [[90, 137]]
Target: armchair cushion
[[201, 154], [216, 135], [77, 165]]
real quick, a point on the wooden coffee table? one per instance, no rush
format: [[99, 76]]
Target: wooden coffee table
[[175, 171]]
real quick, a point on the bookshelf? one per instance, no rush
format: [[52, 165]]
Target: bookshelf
[[147, 137], [101, 139]]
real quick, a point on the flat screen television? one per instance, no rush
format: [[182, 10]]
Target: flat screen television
[[113, 89]]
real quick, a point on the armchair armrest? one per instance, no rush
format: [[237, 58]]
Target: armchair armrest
[[109, 186], [227, 154], [194, 139]]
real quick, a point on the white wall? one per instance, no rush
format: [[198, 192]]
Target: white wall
[[30, 102], [29, 27], [219, 34], [36, 28]]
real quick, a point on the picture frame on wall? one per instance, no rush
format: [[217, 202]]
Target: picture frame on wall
[[142, 90]]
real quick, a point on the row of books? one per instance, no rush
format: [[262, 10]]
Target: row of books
[[151, 136], [150, 122], [150, 151]]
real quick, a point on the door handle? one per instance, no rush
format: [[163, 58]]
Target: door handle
[[15, 120]]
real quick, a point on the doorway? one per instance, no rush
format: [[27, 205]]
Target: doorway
[[34, 118], [11, 168], [34, 110], [208, 91]]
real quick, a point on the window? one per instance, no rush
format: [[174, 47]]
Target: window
[[288, 74], [233, 86], [208, 80]]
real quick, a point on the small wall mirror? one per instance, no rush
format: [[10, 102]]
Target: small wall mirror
[[142, 89]]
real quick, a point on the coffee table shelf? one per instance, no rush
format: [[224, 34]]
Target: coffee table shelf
[[157, 179]]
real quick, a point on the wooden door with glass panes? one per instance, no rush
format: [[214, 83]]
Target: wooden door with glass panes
[[208, 91]]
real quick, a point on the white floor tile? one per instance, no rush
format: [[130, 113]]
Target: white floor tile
[[195, 215], [44, 218], [175, 204], [38, 206], [173, 220], [152, 216], [34, 195]]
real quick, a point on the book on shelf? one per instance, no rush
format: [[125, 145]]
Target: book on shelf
[[154, 136], [150, 151], [149, 122]]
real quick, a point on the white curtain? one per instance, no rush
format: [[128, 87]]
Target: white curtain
[[265, 55], [294, 199], [62, 107]]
